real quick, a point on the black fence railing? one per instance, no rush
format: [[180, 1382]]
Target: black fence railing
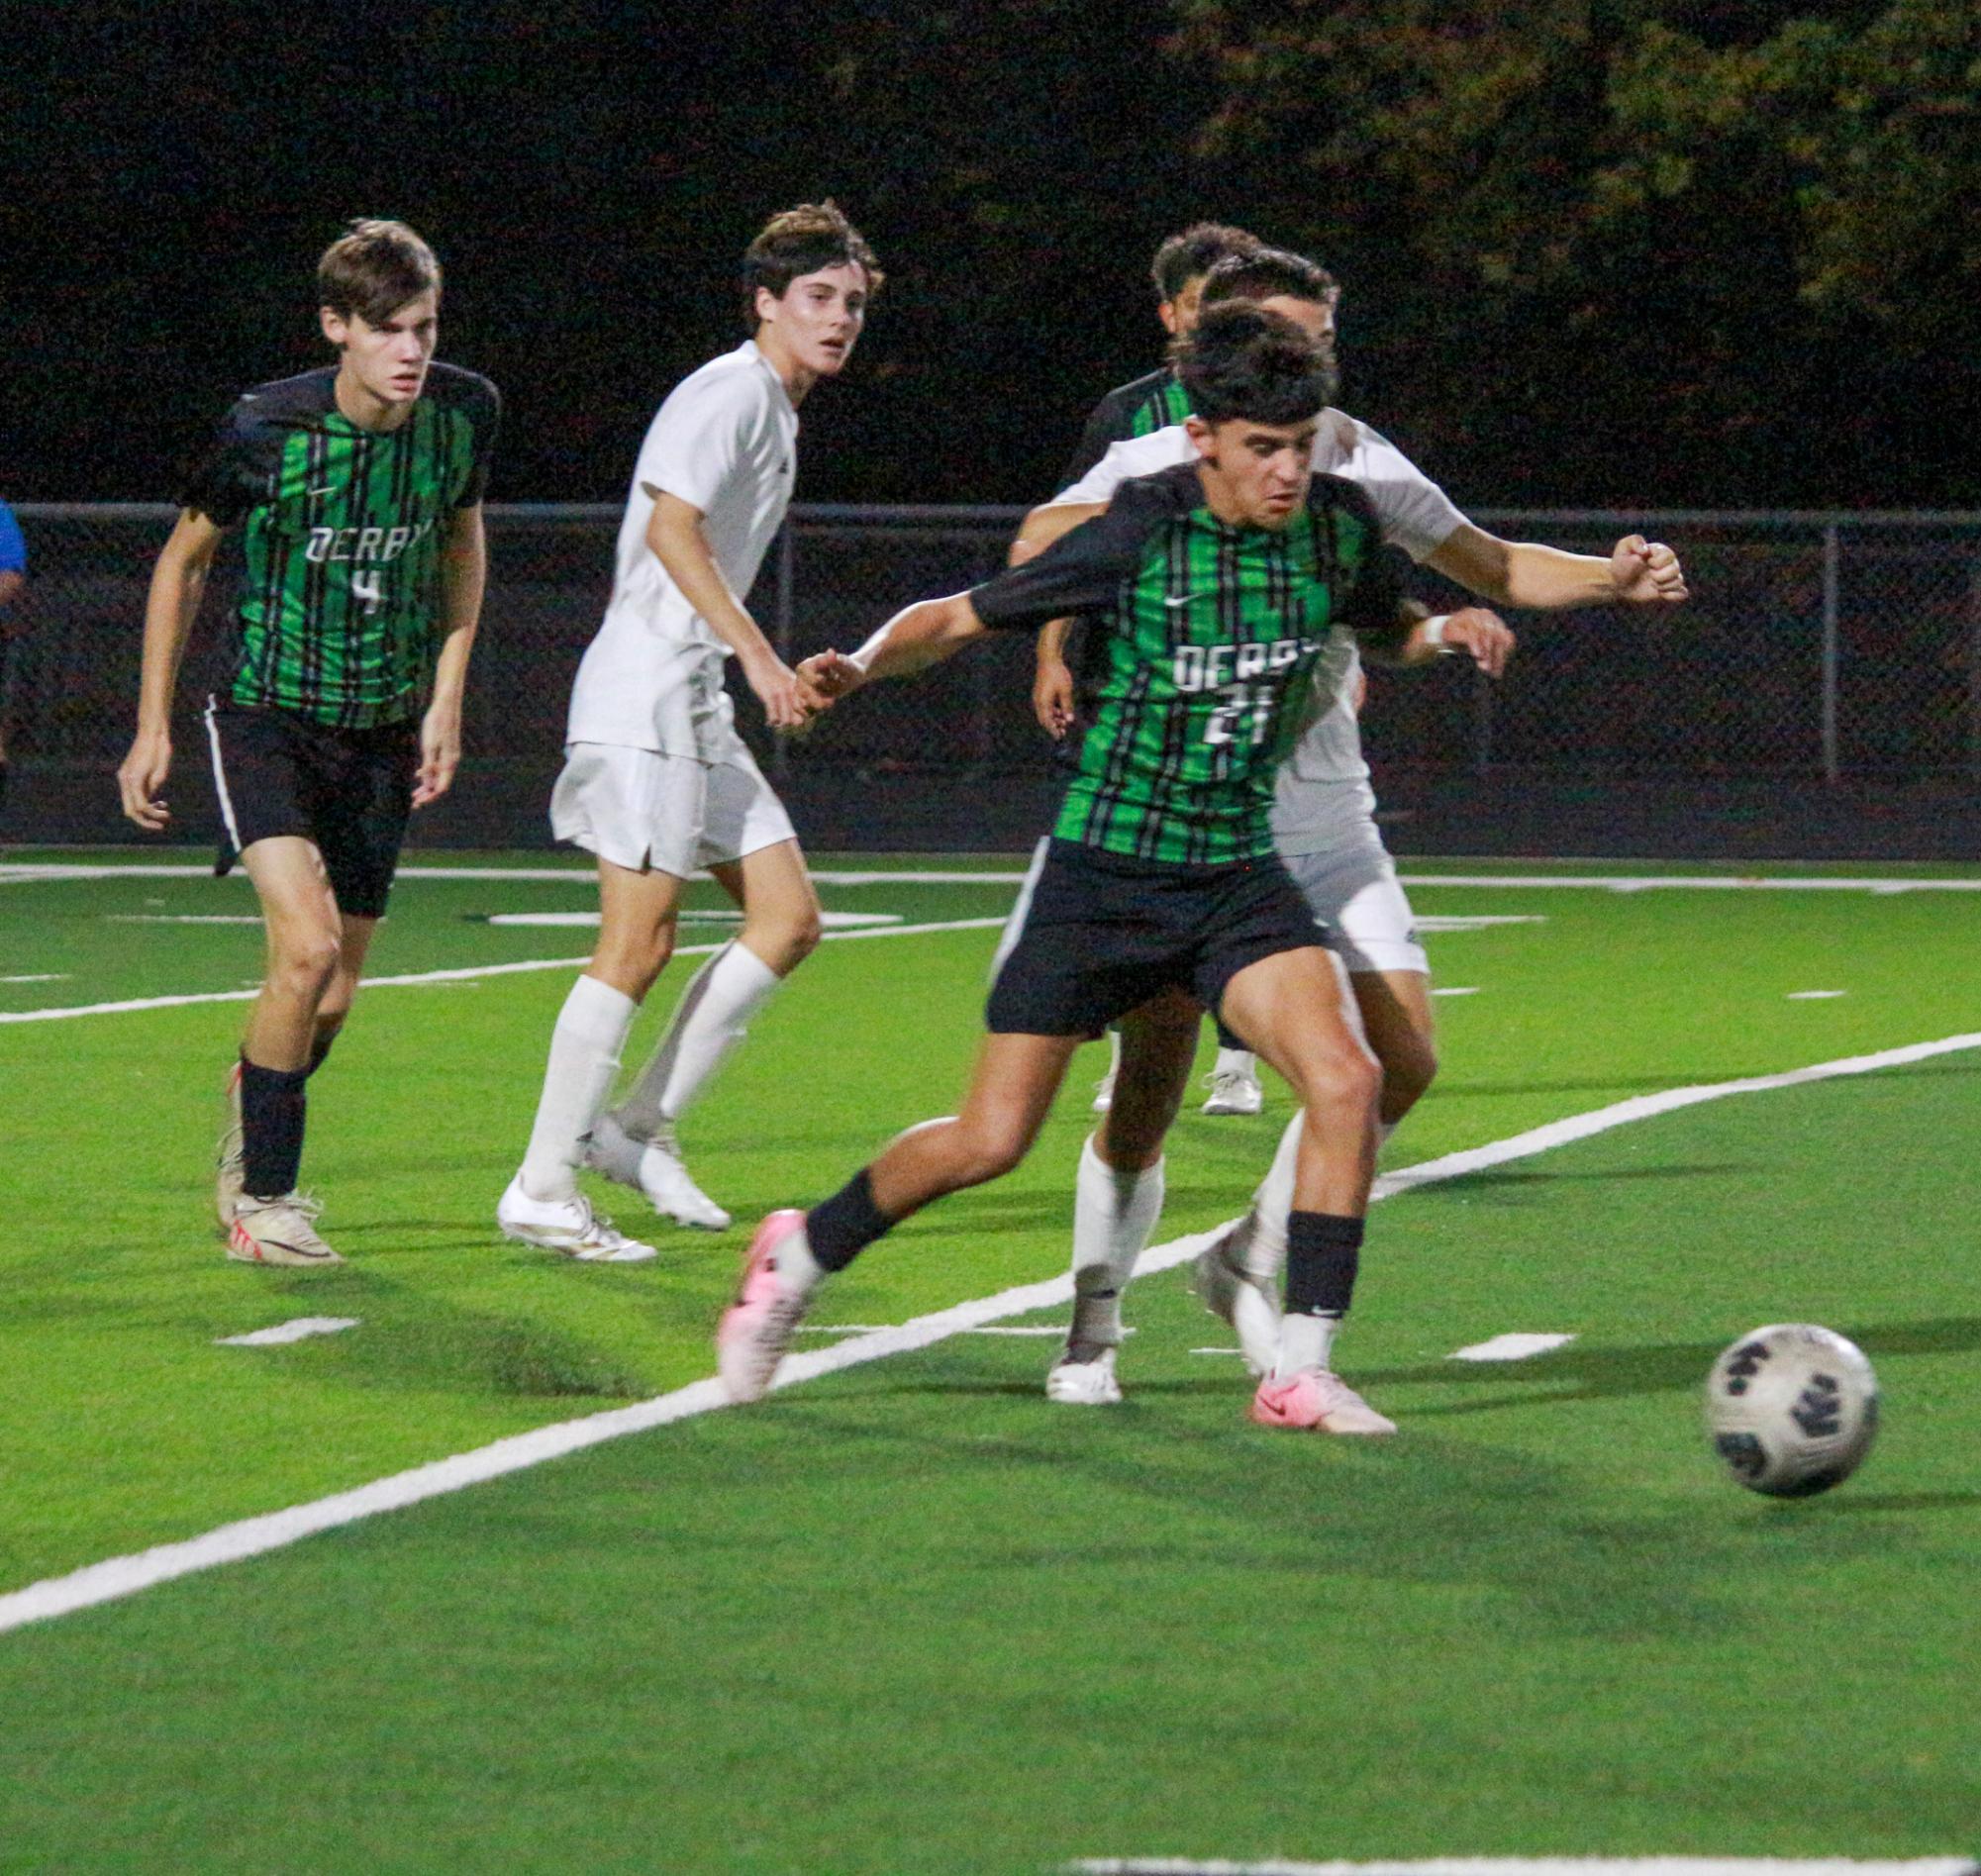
[[1822, 656]]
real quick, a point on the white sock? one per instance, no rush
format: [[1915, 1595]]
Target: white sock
[[1236, 1061], [1305, 1341], [1114, 1214], [1113, 1051], [1272, 1203], [710, 1018], [584, 1057]]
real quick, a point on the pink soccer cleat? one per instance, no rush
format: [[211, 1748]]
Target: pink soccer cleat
[[1315, 1401], [755, 1330]]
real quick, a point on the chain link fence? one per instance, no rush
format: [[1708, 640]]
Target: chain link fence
[[1827, 665]]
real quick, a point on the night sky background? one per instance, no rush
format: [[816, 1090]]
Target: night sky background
[[590, 173]]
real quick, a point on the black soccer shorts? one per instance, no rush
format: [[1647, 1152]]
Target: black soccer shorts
[[1098, 933], [350, 791]]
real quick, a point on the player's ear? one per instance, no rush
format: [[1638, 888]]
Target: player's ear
[[766, 304], [335, 328], [1202, 435]]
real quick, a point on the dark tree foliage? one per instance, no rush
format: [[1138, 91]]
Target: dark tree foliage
[[1593, 254], [1636, 249]]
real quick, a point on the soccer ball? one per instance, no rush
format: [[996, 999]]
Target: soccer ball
[[1792, 1408]]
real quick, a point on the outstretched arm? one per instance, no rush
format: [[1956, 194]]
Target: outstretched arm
[[1075, 575], [1636, 572], [915, 637], [177, 582]]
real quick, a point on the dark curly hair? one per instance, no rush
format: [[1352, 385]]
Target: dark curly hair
[[1244, 362], [1195, 251]]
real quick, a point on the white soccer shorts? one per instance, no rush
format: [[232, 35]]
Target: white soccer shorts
[[637, 808], [1352, 888]]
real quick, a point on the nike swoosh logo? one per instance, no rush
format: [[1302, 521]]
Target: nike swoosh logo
[[1178, 600], [329, 488]]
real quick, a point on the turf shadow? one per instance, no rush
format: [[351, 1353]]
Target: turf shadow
[[1905, 1501], [1596, 1374], [1472, 1181]]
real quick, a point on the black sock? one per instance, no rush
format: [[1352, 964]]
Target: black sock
[[271, 1128], [320, 1046], [850, 1220], [1323, 1253]]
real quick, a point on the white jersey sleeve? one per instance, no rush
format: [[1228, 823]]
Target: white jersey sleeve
[[1416, 513], [1135, 455], [695, 442]]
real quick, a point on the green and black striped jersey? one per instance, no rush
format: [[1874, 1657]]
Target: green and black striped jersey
[[1211, 633], [1130, 409], [339, 602]]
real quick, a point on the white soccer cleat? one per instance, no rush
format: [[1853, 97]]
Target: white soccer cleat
[[1233, 1295], [1083, 1383], [653, 1167], [756, 1329], [567, 1226], [278, 1232], [1233, 1091], [229, 1160], [1317, 1400]]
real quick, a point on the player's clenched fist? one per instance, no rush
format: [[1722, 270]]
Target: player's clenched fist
[[1647, 572]]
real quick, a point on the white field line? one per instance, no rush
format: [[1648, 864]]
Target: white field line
[[574, 921], [253, 1537], [1644, 1107], [297, 1329], [1690, 882], [1475, 921], [25, 871], [1534, 1866], [1515, 1346], [464, 974]]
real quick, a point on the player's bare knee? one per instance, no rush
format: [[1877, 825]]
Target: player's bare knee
[[631, 962], [987, 1150], [790, 942], [304, 963], [1342, 1084]]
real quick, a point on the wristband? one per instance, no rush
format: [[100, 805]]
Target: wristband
[[1434, 634]]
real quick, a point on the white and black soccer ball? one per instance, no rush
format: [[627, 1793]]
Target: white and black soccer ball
[[1792, 1408]]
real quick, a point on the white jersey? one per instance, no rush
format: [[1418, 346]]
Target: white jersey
[[726, 440], [1324, 784]]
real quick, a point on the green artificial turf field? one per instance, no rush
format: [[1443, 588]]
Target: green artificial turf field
[[908, 1617]]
